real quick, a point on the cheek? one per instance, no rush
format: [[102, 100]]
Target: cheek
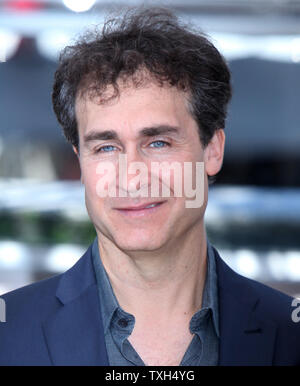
[[99, 179], [90, 180], [89, 175]]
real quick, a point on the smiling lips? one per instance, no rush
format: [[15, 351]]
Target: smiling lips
[[141, 209]]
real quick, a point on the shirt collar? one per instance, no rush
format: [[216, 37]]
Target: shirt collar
[[109, 303]]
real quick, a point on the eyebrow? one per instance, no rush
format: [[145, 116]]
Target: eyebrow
[[145, 132], [158, 130], [100, 136]]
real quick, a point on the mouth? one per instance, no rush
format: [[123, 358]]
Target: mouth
[[141, 210]]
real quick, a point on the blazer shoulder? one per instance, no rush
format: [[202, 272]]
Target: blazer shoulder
[[41, 297], [272, 299], [32, 300], [21, 334], [27, 310], [282, 311], [270, 303]]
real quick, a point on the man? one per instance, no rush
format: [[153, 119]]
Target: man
[[150, 290]]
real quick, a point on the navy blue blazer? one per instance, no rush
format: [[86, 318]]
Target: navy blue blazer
[[57, 321]]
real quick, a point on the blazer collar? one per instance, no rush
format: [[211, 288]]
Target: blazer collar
[[74, 332], [246, 338]]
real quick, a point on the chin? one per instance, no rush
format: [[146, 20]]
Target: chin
[[138, 243]]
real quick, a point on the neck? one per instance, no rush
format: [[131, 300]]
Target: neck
[[161, 284]]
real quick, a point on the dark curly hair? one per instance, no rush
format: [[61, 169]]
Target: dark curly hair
[[150, 39]]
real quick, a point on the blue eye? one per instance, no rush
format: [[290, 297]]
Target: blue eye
[[159, 144], [106, 148]]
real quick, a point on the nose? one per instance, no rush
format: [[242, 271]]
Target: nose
[[133, 173]]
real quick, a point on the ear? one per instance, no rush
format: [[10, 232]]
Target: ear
[[214, 153], [78, 157], [75, 151]]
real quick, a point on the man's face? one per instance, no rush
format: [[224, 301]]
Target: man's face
[[149, 125]]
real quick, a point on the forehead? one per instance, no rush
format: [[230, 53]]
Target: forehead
[[134, 107]]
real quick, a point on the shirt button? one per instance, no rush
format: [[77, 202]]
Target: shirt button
[[122, 323]]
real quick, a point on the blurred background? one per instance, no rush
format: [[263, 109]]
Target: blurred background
[[253, 216]]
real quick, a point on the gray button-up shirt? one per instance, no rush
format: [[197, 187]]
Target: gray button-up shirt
[[118, 324]]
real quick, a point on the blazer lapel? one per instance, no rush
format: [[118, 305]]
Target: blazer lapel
[[74, 333], [245, 339]]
